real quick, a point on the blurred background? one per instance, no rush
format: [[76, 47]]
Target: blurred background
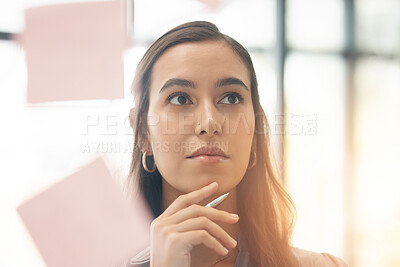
[[329, 81]]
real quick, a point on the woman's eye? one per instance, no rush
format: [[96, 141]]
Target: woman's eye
[[231, 99], [180, 99]]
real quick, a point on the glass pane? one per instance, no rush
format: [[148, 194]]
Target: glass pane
[[41, 144], [378, 26], [12, 13], [264, 65], [11, 16], [377, 179], [314, 97], [315, 24], [239, 19]]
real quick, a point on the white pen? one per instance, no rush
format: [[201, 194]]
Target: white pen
[[144, 255], [216, 201]]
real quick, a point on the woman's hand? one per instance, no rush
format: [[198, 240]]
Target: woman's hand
[[184, 224]]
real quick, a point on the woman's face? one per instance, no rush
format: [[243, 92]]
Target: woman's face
[[200, 96]]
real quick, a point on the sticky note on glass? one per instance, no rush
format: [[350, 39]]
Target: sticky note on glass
[[84, 220], [74, 51]]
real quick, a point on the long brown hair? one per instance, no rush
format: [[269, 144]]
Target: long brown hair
[[268, 215]]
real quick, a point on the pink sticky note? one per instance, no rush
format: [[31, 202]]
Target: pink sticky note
[[85, 221], [74, 51]]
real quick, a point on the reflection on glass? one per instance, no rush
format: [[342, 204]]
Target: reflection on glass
[[264, 66], [378, 26], [314, 97], [315, 24], [239, 19], [265, 70], [377, 179]]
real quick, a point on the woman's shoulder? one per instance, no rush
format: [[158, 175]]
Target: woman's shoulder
[[315, 259]]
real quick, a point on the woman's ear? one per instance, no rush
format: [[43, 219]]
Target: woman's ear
[[143, 138], [254, 141], [145, 145], [131, 117]]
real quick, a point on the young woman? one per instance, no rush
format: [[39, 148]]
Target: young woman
[[200, 132]]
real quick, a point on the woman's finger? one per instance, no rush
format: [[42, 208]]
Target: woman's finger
[[191, 239], [198, 211], [191, 198], [206, 224]]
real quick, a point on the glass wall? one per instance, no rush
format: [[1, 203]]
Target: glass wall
[[376, 227], [343, 65], [340, 91]]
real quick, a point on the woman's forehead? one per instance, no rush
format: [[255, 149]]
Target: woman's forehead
[[199, 60]]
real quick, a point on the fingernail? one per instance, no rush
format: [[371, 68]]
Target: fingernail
[[212, 184], [234, 216], [233, 241], [225, 251]]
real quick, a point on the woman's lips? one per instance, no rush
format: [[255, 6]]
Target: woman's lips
[[208, 158]]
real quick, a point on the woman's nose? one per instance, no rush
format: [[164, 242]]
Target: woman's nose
[[209, 121]]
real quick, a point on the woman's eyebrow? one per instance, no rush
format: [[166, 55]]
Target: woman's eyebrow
[[190, 84], [179, 82], [230, 81]]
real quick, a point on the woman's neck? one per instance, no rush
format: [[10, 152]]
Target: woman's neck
[[202, 255]]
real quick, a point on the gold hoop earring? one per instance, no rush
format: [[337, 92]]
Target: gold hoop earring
[[145, 164], [254, 161]]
